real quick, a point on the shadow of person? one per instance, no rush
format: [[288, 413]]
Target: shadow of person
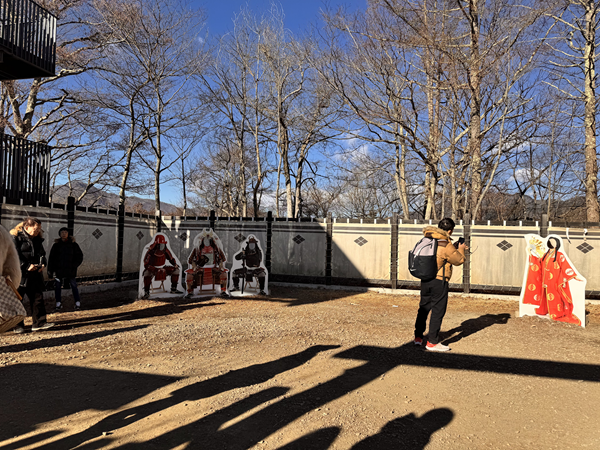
[[242, 425], [472, 326], [60, 340], [317, 440], [161, 309], [408, 432], [244, 377]]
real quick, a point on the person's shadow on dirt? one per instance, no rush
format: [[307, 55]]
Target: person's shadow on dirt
[[244, 377], [408, 431], [317, 440], [472, 326], [162, 309]]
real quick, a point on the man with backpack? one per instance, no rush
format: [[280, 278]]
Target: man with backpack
[[434, 291]]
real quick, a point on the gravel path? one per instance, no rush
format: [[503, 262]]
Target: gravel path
[[302, 369]]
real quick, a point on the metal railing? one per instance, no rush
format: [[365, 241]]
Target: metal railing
[[28, 32], [24, 170]]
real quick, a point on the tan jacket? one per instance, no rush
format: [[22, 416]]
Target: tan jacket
[[10, 266], [447, 254]]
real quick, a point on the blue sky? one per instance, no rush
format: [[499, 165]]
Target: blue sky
[[299, 15]]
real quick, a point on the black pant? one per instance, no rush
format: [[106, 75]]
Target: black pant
[[434, 298], [38, 306]]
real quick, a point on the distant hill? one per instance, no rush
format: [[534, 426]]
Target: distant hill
[[107, 200], [502, 206]]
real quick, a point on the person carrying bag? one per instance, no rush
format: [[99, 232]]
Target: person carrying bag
[[12, 311], [28, 241]]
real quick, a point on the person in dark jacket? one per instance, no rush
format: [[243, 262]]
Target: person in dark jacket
[[32, 257], [65, 258]]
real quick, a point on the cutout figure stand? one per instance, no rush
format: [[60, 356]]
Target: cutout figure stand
[[249, 274], [206, 275], [159, 264], [552, 286]]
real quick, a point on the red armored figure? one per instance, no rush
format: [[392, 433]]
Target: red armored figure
[[207, 264], [154, 266]]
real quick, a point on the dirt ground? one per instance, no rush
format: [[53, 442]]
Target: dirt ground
[[302, 369]]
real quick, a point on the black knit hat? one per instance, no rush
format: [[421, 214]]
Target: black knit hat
[[65, 229]]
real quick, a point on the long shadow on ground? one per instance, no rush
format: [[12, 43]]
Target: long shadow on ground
[[163, 309], [33, 394], [472, 326], [247, 376], [290, 296], [223, 429], [57, 341], [409, 432]]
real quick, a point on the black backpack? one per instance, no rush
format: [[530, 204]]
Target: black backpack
[[422, 260]]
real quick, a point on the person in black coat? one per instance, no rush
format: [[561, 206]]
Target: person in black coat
[[32, 257], [65, 258]]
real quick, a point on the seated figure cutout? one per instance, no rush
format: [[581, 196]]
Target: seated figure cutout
[[206, 274], [157, 265], [249, 275]]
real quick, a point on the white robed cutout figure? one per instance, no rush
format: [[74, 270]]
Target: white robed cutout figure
[[552, 287]]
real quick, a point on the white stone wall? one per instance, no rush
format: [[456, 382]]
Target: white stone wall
[[298, 248], [96, 234], [359, 250]]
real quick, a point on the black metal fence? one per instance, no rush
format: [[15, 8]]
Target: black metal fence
[[24, 171], [27, 39]]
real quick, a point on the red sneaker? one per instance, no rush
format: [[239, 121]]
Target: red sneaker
[[418, 341], [437, 347]]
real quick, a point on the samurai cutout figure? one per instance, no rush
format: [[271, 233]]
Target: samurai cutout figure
[[155, 268], [207, 265], [248, 268]]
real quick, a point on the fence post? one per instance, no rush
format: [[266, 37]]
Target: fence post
[[467, 264], [71, 215], [328, 249], [158, 217], [269, 237], [544, 227], [212, 218], [120, 242], [394, 252]]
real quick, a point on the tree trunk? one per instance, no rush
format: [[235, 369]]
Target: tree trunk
[[298, 205], [125, 177], [183, 180], [400, 176], [474, 74], [591, 162], [288, 180], [277, 188]]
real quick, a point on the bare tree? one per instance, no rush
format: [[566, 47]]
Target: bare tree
[[574, 63], [154, 51], [185, 143], [233, 86], [445, 81]]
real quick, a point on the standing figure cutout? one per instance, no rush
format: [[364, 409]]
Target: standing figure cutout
[[249, 273], [154, 270], [552, 286], [206, 263]]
